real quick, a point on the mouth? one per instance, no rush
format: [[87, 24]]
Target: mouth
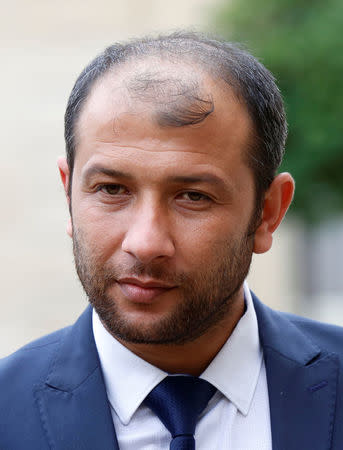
[[143, 291]]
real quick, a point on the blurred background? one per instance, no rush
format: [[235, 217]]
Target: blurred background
[[44, 46]]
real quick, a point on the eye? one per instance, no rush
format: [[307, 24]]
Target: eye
[[113, 189], [194, 196]]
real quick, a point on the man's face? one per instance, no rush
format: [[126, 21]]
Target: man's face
[[162, 216]]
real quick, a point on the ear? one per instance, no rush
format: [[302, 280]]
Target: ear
[[65, 177], [277, 200]]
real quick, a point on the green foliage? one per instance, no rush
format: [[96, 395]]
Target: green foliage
[[300, 41]]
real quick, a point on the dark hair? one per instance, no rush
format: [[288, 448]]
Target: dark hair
[[250, 81]]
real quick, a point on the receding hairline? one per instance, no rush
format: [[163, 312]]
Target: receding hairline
[[117, 80], [231, 62]]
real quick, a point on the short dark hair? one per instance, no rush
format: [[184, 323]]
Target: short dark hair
[[250, 81]]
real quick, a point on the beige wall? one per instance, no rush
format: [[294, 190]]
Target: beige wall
[[45, 44]]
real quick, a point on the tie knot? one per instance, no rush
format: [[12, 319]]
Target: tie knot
[[178, 401]]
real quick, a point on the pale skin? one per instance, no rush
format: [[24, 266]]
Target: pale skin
[[145, 193]]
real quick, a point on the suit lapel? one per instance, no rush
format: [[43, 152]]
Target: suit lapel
[[302, 383], [72, 402]]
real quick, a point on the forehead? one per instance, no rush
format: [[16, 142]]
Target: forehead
[[122, 106]]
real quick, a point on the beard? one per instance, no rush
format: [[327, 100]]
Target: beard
[[206, 295]]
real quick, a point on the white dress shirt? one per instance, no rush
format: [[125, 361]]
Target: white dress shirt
[[236, 418]]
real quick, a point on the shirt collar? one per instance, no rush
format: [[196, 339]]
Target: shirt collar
[[129, 379], [236, 368]]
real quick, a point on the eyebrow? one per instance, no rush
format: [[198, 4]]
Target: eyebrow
[[172, 179], [99, 170], [201, 178]]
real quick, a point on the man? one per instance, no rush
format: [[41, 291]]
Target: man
[[173, 145]]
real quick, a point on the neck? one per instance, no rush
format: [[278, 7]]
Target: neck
[[191, 357]]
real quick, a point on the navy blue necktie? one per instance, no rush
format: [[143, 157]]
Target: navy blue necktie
[[178, 401]]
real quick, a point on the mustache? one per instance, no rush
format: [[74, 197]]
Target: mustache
[[155, 271]]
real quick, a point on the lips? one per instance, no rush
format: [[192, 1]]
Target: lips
[[139, 291]]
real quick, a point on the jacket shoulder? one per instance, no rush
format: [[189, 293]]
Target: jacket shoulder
[[28, 365], [325, 335], [21, 374], [296, 338]]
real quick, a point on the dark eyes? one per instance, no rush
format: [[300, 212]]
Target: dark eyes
[[113, 189], [194, 196], [119, 189]]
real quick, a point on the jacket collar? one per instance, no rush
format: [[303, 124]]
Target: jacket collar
[[73, 402], [301, 380], [278, 333], [302, 383], [76, 357]]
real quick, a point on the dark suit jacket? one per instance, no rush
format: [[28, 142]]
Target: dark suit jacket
[[52, 394]]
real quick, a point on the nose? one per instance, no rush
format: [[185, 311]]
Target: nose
[[148, 235]]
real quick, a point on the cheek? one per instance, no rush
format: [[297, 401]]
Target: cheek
[[102, 233], [202, 242]]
